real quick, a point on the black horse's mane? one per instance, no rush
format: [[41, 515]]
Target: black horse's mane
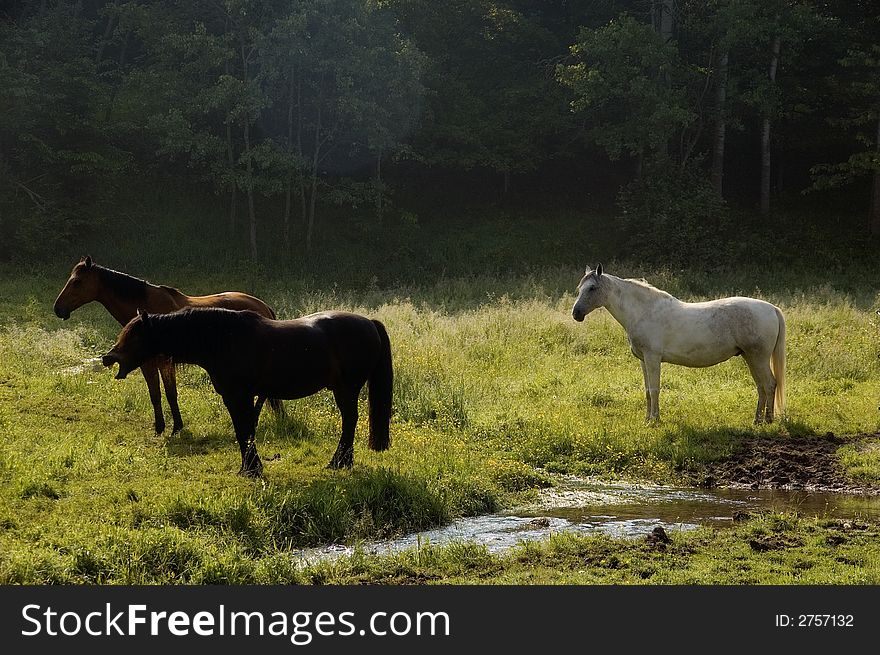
[[200, 329], [122, 284], [207, 317]]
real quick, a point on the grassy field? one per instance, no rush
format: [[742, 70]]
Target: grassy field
[[495, 387]]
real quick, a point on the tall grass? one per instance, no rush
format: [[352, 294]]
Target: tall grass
[[494, 386]]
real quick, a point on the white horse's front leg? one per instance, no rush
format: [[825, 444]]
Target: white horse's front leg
[[647, 393], [651, 371]]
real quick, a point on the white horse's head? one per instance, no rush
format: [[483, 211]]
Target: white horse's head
[[591, 294]]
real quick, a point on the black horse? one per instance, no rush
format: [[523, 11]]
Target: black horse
[[248, 356], [122, 294]]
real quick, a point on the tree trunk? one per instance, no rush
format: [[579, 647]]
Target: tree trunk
[[249, 168], [310, 228], [230, 157], [299, 150], [249, 184], [765, 135], [875, 189], [114, 90], [289, 181], [720, 127], [108, 30], [379, 207], [664, 18], [233, 201], [779, 188]]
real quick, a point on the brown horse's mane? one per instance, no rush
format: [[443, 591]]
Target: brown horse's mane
[[122, 284], [128, 286], [171, 290]]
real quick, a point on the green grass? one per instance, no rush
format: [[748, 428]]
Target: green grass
[[768, 549], [494, 384]]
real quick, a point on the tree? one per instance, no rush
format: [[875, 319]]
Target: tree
[[353, 92], [57, 143], [855, 83], [493, 102], [631, 88]]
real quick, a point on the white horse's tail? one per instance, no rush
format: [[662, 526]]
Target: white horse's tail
[[777, 365]]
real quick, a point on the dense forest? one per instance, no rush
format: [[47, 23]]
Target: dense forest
[[278, 114]]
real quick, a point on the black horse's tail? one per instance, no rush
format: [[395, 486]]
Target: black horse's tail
[[275, 403], [380, 384], [277, 407]]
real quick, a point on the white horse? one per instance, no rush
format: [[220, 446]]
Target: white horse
[[662, 328]]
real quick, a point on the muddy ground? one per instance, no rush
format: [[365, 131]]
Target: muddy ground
[[786, 463]]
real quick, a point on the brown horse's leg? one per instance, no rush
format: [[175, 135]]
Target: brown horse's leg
[[347, 401], [169, 379], [151, 375], [241, 410]]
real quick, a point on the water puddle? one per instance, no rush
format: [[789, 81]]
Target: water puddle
[[92, 365], [617, 509]]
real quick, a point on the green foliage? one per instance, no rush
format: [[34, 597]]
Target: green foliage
[[674, 215], [862, 119], [270, 106], [630, 85], [493, 102]]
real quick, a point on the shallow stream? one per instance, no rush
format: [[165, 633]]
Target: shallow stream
[[618, 509]]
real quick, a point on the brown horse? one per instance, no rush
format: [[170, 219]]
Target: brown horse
[[248, 355], [122, 295]]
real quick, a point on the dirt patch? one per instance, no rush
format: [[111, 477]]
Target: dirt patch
[[786, 463]]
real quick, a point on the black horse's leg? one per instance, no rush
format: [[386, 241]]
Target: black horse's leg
[[241, 409], [169, 379], [258, 407], [151, 375], [347, 401]]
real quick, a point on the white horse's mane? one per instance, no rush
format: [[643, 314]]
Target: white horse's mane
[[642, 282]]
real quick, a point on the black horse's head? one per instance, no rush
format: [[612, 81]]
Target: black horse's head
[[132, 347]]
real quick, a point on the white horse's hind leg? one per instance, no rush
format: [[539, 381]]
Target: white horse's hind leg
[[651, 371], [759, 366]]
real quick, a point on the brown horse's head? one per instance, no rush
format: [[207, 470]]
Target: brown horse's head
[[132, 346], [81, 288]]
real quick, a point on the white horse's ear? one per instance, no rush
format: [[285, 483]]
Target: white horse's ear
[[588, 270], [599, 270]]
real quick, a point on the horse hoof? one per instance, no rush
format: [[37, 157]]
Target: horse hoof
[[340, 464], [160, 427], [251, 473], [177, 427]]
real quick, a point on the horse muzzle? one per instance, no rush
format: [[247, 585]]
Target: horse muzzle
[[63, 314], [578, 315], [110, 359]]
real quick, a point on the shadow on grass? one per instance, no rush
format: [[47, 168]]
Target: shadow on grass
[[366, 503], [187, 444], [798, 428], [291, 425], [687, 448]]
